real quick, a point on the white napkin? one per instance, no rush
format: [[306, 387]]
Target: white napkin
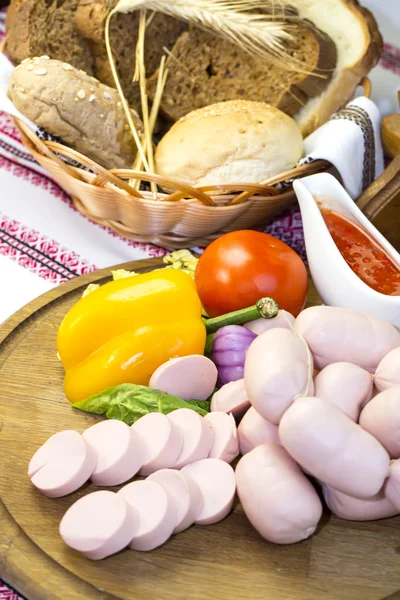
[[351, 142]]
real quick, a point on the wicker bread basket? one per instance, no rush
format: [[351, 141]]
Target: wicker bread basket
[[185, 218]]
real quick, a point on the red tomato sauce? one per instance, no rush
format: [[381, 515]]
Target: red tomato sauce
[[363, 254]]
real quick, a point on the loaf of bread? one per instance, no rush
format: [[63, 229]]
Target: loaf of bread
[[162, 32], [46, 27], [359, 46], [343, 44], [84, 113], [204, 69], [230, 142]]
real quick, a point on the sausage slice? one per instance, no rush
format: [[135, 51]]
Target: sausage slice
[[183, 492], [231, 398], [226, 443], [62, 465], [162, 441], [216, 481], [188, 377], [197, 433], [99, 524], [158, 516], [119, 450]]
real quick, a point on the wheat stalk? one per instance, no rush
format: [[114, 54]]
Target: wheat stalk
[[145, 154], [149, 121], [161, 80], [239, 21], [178, 62], [125, 104], [140, 76]]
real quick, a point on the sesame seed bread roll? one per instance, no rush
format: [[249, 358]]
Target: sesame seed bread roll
[[70, 104]]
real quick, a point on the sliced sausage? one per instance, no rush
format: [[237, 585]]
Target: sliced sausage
[[231, 398], [99, 524], [188, 377], [119, 450], [197, 433], [334, 449], [283, 319], [158, 515], [62, 465], [183, 492], [254, 431], [278, 368], [381, 417], [342, 335], [345, 385], [226, 443], [276, 497], [216, 481], [162, 441], [387, 374], [358, 509], [392, 484]]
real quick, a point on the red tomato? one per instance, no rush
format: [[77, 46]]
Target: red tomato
[[241, 267]]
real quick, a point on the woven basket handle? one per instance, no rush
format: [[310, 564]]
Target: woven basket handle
[[31, 140], [184, 189]]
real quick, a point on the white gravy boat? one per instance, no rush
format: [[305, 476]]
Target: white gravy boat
[[334, 280]]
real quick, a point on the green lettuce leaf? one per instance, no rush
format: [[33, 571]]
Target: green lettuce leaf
[[128, 402]]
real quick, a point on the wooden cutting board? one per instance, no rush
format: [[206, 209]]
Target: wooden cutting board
[[357, 561]]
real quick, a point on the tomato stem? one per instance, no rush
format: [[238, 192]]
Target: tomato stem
[[265, 308]]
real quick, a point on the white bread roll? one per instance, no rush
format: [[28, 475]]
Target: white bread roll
[[229, 142]]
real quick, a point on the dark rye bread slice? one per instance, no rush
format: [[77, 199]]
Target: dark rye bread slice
[[46, 27], [162, 31], [204, 69]]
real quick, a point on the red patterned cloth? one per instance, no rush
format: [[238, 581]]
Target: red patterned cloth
[[45, 241], [390, 59], [7, 593], [41, 255]]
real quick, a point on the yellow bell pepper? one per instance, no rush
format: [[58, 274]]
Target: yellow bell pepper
[[124, 330]]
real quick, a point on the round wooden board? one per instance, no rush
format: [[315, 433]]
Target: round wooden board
[[357, 561]]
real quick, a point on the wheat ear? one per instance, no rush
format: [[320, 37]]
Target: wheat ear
[[239, 21]]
